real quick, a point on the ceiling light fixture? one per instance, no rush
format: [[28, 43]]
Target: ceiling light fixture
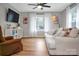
[[39, 7]]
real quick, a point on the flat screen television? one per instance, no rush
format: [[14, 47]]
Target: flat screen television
[[12, 16]]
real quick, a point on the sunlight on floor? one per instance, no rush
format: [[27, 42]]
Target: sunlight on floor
[[40, 45]]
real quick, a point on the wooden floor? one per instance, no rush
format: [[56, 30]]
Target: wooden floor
[[33, 47]]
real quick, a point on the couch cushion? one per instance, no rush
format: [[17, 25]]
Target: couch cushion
[[63, 32], [59, 32], [52, 32]]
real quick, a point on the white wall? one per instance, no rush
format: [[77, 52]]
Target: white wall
[[2, 17], [63, 19], [26, 27], [3, 10]]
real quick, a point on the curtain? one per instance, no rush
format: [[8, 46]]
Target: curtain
[[48, 24], [77, 19], [33, 30], [68, 18]]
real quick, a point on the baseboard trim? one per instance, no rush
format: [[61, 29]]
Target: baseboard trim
[[32, 37]]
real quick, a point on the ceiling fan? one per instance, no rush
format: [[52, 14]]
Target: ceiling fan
[[40, 5]]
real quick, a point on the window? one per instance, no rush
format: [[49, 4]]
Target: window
[[40, 23], [73, 16]]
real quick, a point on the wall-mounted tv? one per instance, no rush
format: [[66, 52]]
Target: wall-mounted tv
[[12, 16]]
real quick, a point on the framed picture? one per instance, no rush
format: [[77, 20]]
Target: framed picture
[[25, 20], [54, 19]]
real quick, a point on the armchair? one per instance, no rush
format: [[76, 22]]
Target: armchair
[[9, 46]]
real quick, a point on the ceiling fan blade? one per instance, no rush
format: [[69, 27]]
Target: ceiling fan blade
[[32, 4], [34, 7], [43, 3], [46, 6]]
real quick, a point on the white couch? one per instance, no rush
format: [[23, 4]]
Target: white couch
[[62, 45]]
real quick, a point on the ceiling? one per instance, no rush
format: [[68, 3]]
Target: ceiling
[[55, 7]]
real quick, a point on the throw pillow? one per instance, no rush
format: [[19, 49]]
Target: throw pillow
[[66, 33], [52, 32], [59, 32], [73, 33]]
